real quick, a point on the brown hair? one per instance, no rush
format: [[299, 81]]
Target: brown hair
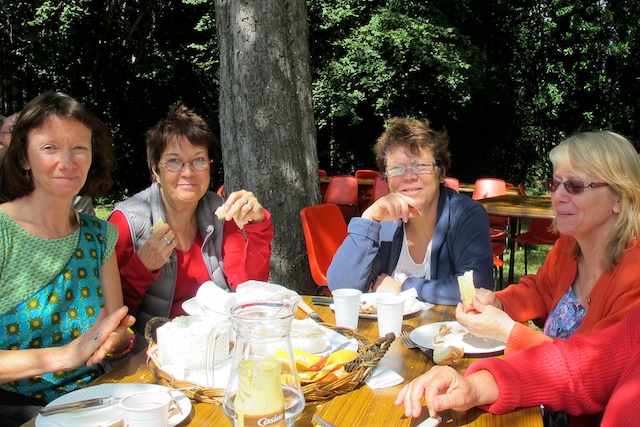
[[178, 123], [14, 180], [416, 135]]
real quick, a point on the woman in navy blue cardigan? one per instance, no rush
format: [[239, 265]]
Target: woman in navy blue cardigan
[[421, 235]]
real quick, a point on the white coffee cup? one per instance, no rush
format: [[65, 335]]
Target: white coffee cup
[[390, 309], [212, 297], [346, 303], [146, 409]]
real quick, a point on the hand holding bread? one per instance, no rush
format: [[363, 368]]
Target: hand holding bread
[[243, 207], [158, 247]]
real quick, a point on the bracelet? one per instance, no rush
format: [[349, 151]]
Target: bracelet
[[132, 341]]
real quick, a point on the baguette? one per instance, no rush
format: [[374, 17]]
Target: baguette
[[467, 289]]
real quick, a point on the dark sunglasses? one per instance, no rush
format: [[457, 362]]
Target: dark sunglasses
[[573, 186]]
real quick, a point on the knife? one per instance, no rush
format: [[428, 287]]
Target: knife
[[314, 316], [81, 404], [322, 300]]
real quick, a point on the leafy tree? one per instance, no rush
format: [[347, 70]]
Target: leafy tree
[[383, 59]]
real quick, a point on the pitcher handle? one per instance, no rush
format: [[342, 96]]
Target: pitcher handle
[[217, 331]]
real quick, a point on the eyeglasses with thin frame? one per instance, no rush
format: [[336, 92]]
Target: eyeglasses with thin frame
[[573, 186], [418, 169], [176, 165]]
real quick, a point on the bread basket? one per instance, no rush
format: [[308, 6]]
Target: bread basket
[[357, 371]]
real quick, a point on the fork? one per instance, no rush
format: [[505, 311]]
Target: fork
[[322, 422], [408, 342]]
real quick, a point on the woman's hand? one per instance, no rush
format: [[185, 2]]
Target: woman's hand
[[99, 340], [244, 206], [392, 207], [486, 296], [158, 248], [485, 320], [386, 283], [444, 388]]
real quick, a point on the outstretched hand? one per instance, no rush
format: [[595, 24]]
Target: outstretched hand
[[444, 388], [100, 339]]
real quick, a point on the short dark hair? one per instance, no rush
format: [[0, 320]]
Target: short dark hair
[[14, 181], [414, 135], [178, 123]]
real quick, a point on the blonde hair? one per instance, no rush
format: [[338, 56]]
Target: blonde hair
[[608, 157]]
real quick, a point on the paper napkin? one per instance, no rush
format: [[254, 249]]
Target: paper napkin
[[383, 377]]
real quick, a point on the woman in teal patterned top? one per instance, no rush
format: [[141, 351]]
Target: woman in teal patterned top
[[61, 309]]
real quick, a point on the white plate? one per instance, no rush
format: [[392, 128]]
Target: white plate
[[424, 335], [108, 414], [414, 307]]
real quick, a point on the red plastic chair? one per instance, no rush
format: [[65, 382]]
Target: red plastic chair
[[324, 231], [452, 183], [365, 191], [322, 175], [498, 264], [539, 233], [380, 189], [367, 174], [493, 187], [343, 191]]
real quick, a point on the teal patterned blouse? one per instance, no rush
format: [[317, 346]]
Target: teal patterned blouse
[[50, 294]]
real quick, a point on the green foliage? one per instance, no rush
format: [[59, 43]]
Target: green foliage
[[509, 80]]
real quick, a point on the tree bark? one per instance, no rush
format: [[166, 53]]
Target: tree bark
[[267, 134]]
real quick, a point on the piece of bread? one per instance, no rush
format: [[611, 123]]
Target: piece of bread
[[447, 355], [155, 227], [467, 289], [221, 213], [183, 342], [308, 338], [304, 336]]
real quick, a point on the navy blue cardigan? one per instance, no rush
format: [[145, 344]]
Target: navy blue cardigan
[[460, 242]]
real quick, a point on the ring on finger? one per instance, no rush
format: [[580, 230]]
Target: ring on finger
[[245, 201], [167, 240]]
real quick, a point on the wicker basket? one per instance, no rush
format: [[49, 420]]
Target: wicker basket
[[357, 371]]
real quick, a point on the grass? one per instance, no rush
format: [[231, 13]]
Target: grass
[[103, 211]]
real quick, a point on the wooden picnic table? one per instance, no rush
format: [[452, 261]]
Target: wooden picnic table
[[363, 406]]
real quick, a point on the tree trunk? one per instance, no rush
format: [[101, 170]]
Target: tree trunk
[[267, 134]]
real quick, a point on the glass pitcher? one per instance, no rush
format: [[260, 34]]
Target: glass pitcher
[[262, 333]]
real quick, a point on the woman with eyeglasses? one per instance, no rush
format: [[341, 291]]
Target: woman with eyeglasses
[[590, 278], [422, 235], [171, 238]]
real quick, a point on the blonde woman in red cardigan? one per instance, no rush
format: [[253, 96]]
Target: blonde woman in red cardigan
[[590, 278], [584, 374]]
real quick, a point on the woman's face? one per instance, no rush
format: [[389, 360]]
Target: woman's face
[[423, 188], [59, 156], [587, 214], [188, 185]]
